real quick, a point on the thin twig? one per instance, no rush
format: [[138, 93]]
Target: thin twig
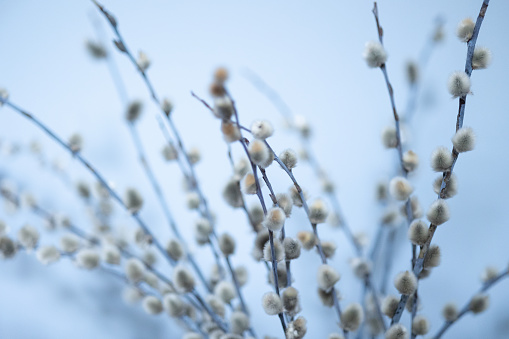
[[487, 285]]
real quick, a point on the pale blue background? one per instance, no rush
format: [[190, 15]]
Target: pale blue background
[[311, 53]]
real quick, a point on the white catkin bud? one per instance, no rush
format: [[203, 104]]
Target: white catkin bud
[[169, 152], [405, 283], [289, 158], [192, 335], [194, 155], [88, 258], [149, 257], [433, 257], [259, 152], [202, 229], [351, 317], [151, 279], [3, 228], [412, 72], [262, 129], [307, 239], [111, 255], [232, 194], [167, 106], [216, 304], [133, 200], [231, 131], [239, 322], [133, 111], [83, 189], [396, 331], [226, 244], [479, 303], [489, 273], [292, 248], [459, 84], [47, 254], [301, 124], [327, 277], [174, 305], [361, 267], [271, 303], [193, 200], [389, 305], [290, 299], [297, 329], [390, 217], [481, 58], [225, 291], [374, 54], [389, 137], [174, 249], [183, 279], [464, 140], [143, 61], [335, 336], [131, 295], [441, 159], [152, 305], [418, 232], [400, 188], [275, 219], [95, 49], [420, 325], [249, 184], [465, 29], [410, 160], [8, 248], [450, 312], [223, 108], [451, 189], [134, 270], [242, 275], [329, 249], [438, 212], [285, 202], [241, 168], [28, 237], [318, 211], [76, 142], [278, 251]]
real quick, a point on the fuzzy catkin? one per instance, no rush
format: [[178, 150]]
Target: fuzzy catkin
[[285, 202], [239, 322], [327, 277], [226, 244], [420, 325], [438, 213], [479, 303], [433, 257], [133, 200], [152, 305], [174, 249], [318, 211], [352, 316], [405, 283], [418, 232], [465, 29], [183, 279], [389, 305], [28, 237], [481, 58], [47, 254], [451, 189], [133, 111], [262, 129], [374, 54], [259, 152], [459, 84], [396, 331], [88, 258], [400, 188], [225, 291], [279, 251], [275, 219], [134, 270], [272, 303], [174, 305], [289, 158], [292, 248], [297, 329], [450, 312], [389, 137], [70, 243], [464, 140]]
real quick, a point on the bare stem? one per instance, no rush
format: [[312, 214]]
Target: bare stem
[[487, 285]]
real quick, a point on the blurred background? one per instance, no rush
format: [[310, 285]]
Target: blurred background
[[311, 53]]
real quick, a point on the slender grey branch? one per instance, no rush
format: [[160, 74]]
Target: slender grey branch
[[419, 263], [487, 285]]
